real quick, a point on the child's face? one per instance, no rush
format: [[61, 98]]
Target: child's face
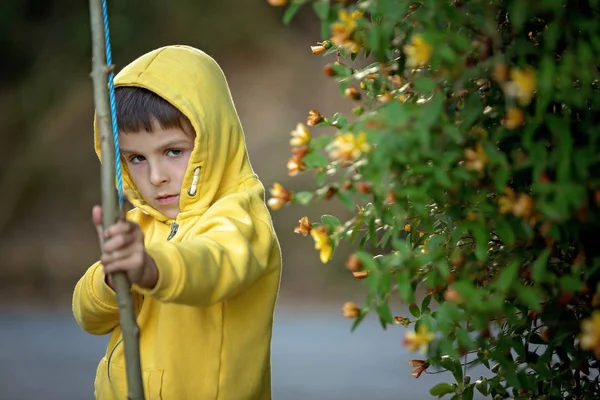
[[157, 162]]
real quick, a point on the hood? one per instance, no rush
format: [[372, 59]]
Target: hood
[[194, 83]]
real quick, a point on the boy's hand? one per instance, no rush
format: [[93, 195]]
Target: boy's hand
[[123, 250]]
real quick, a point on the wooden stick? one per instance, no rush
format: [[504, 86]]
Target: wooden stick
[[110, 211]]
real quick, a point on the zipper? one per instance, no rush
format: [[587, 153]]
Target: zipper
[[174, 228]]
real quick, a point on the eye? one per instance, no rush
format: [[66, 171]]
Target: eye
[[174, 152], [136, 159]]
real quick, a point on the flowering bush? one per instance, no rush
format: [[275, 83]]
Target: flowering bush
[[472, 162]]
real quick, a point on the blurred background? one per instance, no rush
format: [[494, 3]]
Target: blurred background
[[50, 179]]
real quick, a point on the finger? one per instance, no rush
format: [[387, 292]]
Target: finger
[[119, 242], [97, 215], [119, 227], [130, 265]]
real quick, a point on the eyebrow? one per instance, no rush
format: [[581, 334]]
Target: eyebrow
[[167, 145]]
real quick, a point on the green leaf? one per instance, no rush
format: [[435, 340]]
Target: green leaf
[[320, 142], [385, 314], [315, 160], [453, 365], [303, 198], [425, 85], [570, 284], [482, 386], [442, 389], [358, 320], [321, 8], [347, 199], [467, 393], [425, 302], [339, 121], [505, 231], [538, 272], [508, 275], [414, 310], [291, 11], [331, 222]]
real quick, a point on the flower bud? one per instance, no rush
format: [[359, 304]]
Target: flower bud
[[277, 3], [316, 50], [352, 93], [350, 310], [353, 263], [314, 117]]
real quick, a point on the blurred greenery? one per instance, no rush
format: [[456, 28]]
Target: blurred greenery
[[472, 171]]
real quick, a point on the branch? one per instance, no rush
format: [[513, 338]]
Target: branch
[[110, 212]]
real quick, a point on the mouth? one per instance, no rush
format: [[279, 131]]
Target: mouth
[[167, 199]]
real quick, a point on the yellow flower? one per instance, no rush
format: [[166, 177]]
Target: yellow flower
[[475, 160], [590, 334], [322, 243], [341, 32], [280, 196], [514, 118], [418, 52], [418, 340], [524, 82], [300, 135], [347, 147]]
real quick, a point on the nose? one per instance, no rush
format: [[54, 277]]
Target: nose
[[158, 175]]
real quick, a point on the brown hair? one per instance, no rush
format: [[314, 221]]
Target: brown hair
[[137, 108]]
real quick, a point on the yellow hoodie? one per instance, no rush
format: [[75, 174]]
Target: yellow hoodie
[[206, 326]]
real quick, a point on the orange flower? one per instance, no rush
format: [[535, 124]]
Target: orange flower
[[314, 117], [304, 228], [419, 366], [350, 310], [280, 196], [300, 135], [402, 321], [476, 159], [418, 52], [295, 165], [418, 340], [322, 243], [407, 228]]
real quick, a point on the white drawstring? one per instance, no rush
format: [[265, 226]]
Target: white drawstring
[[193, 189]]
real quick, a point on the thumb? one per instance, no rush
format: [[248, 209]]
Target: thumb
[[97, 216], [97, 219]]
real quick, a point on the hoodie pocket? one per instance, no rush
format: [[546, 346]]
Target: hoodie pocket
[[111, 383]]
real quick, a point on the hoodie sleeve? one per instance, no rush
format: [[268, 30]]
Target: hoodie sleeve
[[95, 303], [235, 246]]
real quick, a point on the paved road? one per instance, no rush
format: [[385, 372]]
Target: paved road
[[44, 355]]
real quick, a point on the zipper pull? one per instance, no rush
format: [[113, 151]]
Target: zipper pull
[[174, 227]]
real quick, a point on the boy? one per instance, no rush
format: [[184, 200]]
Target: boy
[[199, 246]]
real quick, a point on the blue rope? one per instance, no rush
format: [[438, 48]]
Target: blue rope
[[113, 106]]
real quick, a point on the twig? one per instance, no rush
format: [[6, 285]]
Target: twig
[[110, 212]]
